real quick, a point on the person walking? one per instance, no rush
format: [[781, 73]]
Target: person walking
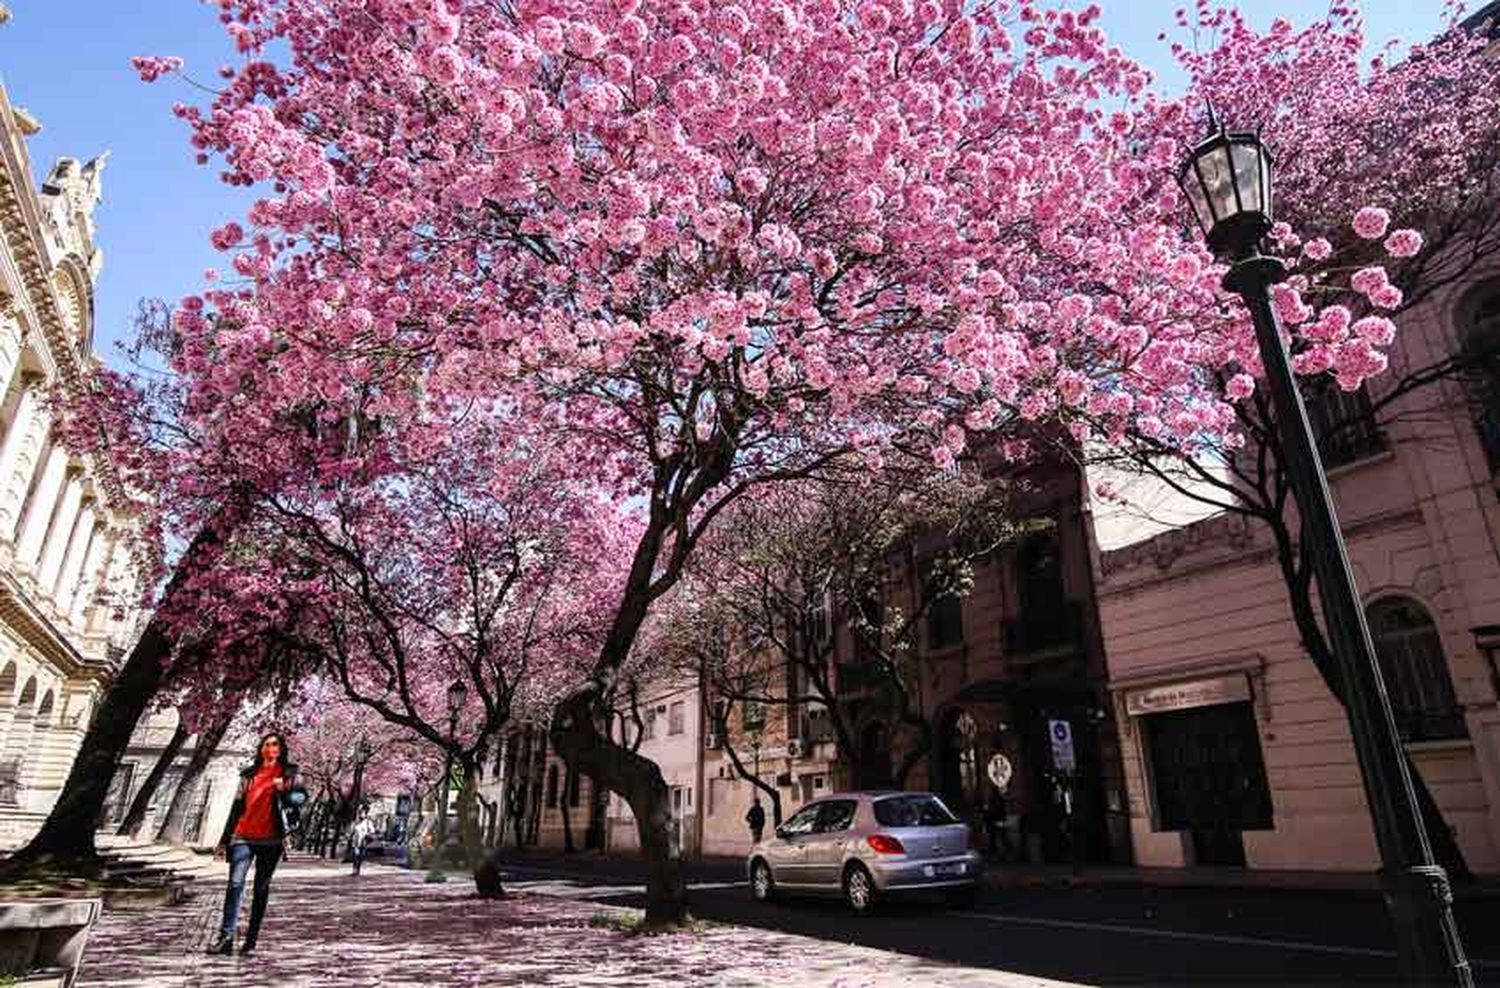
[[262, 821], [996, 825], [361, 835], [756, 818]]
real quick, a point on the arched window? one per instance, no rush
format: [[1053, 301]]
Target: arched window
[[1343, 422], [1479, 358], [1415, 670], [44, 710]]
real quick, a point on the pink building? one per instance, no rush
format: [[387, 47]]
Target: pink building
[[1235, 751]]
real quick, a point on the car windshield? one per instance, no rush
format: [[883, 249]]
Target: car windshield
[[912, 811]]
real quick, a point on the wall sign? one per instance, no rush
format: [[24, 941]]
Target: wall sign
[[1184, 696], [1000, 770], [1061, 733]]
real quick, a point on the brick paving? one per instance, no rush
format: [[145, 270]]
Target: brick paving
[[389, 928]]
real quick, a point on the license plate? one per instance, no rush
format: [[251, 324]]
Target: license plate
[[943, 870]]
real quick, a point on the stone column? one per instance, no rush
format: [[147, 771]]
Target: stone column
[[43, 502], [116, 579], [18, 739], [18, 456], [56, 743], [93, 572], [61, 534], [84, 534], [10, 348]]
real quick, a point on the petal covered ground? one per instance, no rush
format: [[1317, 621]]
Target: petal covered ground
[[389, 928]]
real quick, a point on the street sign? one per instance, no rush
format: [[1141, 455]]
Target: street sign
[[1061, 733], [1000, 771]]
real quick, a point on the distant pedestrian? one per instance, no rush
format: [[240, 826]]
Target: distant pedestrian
[[261, 824], [756, 818], [362, 833], [995, 825]]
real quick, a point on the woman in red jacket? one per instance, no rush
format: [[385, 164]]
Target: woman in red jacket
[[259, 828]]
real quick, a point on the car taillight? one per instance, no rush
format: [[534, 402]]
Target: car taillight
[[884, 844]]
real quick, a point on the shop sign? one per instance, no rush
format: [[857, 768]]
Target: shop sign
[[1184, 696], [1000, 771], [1061, 733]]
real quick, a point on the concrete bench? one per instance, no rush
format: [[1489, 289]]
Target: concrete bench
[[42, 940]]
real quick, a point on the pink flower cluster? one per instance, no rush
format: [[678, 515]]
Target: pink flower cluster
[[152, 67]]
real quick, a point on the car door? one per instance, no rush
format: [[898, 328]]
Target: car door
[[825, 847], [787, 851]]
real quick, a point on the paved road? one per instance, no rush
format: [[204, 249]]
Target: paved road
[[1100, 936]]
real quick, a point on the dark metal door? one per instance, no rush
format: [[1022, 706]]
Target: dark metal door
[[1210, 778]]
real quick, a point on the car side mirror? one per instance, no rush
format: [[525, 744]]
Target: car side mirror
[[781, 831]]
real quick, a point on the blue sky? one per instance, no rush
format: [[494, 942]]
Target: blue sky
[[68, 61]]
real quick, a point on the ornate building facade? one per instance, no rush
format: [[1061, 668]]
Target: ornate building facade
[[1236, 753], [68, 578]]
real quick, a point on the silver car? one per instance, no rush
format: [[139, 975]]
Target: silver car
[[864, 845]]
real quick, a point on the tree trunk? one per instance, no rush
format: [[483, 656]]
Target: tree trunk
[[485, 867], [174, 825], [922, 748], [639, 781], [66, 838], [570, 779], [136, 815], [536, 796], [773, 794]]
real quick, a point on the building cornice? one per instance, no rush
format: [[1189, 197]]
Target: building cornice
[[21, 232], [26, 620]]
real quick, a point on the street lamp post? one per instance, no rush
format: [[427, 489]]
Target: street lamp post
[[1227, 181], [357, 788], [457, 692]]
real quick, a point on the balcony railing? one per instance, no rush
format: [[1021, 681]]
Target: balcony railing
[[1041, 629]]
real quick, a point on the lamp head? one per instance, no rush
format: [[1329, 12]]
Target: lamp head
[[1227, 182]]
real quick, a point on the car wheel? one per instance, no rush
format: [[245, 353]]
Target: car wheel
[[964, 897], [762, 885], [859, 890]]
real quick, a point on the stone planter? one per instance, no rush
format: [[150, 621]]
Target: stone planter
[[42, 940]]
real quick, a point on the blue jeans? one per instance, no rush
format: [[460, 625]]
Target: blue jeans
[[266, 857]]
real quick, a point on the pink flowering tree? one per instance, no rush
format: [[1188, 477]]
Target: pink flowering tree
[[136, 423], [1386, 187], [429, 552], [706, 248], [810, 586], [345, 752]]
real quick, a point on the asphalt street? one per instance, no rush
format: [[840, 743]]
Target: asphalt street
[[1104, 935]]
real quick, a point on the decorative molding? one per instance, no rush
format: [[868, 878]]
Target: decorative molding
[[1252, 664]]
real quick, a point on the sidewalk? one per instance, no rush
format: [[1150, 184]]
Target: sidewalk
[[388, 928], [731, 868]]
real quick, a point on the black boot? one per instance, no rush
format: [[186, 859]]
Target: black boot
[[247, 947], [223, 945]]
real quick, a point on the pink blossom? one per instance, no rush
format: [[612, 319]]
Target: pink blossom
[[1239, 387], [1375, 329], [548, 32], [1403, 243], [152, 67], [1387, 297], [1317, 249], [1369, 280], [585, 39], [1371, 222], [750, 180], [227, 236]]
